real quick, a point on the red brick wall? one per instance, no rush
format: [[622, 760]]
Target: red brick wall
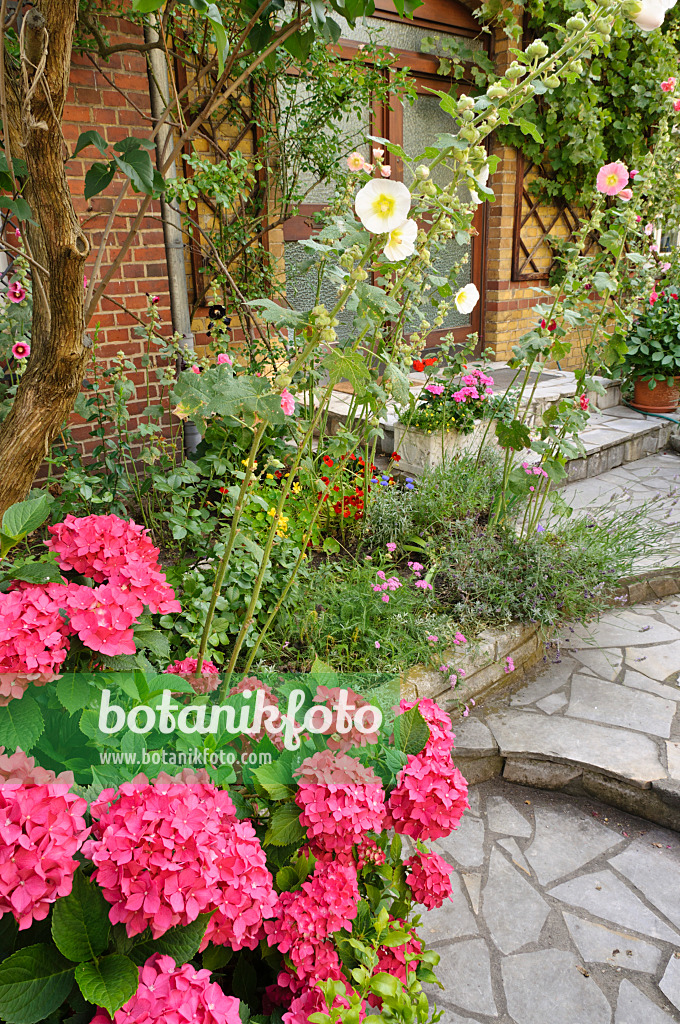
[[113, 98]]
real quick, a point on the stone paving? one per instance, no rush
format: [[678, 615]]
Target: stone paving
[[563, 912]]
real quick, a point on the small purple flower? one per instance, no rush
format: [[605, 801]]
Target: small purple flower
[[540, 529]]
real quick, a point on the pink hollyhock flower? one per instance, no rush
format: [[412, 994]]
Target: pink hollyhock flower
[[155, 299], [168, 994], [369, 853], [626, 194], [392, 959], [21, 350], [386, 170], [287, 402], [168, 850], [634, 174], [612, 178], [329, 697], [665, 266], [668, 85], [33, 638], [428, 877], [195, 368], [42, 828], [649, 229], [224, 358], [106, 548], [440, 742], [356, 162], [307, 918], [16, 292], [435, 389], [429, 798], [676, 105], [584, 401], [340, 800], [208, 680]]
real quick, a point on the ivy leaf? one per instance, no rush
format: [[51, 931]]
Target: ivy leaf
[[33, 983], [21, 724], [285, 827], [108, 982], [80, 921]]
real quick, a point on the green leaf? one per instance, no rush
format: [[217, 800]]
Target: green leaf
[[400, 382], [276, 779], [21, 724], [285, 827], [33, 982], [80, 921], [385, 985], [181, 943], [19, 207], [25, 516], [153, 640], [108, 982], [529, 128], [411, 732], [145, 6], [35, 572], [98, 177], [136, 164], [275, 314], [74, 691], [349, 365], [91, 138]]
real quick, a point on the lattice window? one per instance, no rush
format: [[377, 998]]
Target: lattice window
[[535, 223]]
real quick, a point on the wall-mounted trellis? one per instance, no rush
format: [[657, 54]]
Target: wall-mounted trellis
[[535, 223]]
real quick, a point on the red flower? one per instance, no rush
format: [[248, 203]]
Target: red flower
[[325, 480], [396, 457], [353, 457], [431, 362], [552, 326], [328, 460], [418, 365], [543, 323], [674, 295], [224, 490]]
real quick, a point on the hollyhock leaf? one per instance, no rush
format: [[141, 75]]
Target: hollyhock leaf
[[411, 732], [285, 827], [21, 724], [181, 943], [109, 982], [74, 691], [25, 516], [349, 365], [80, 921], [400, 382], [529, 128], [33, 982]]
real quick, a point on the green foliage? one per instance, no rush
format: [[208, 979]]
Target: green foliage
[[33, 982], [80, 921], [652, 345]]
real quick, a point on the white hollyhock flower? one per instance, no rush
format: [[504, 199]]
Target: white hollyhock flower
[[382, 205], [400, 244], [652, 14], [481, 179], [466, 298]]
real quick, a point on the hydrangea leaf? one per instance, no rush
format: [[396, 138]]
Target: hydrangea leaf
[[285, 827], [80, 921], [33, 982], [181, 943], [108, 982], [21, 724], [74, 691], [25, 516], [411, 732]]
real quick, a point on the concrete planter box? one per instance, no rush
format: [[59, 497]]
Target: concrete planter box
[[420, 451]]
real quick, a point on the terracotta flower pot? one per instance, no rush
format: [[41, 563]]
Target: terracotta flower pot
[[661, 398]]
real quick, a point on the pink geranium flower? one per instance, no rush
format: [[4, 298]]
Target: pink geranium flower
[[653, 297], [435, 389], [21, 350], [612, 178], [287, 402]]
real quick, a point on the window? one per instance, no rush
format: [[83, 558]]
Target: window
[[412, 127]]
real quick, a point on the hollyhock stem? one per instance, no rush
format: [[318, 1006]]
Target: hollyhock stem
[[224, 561]]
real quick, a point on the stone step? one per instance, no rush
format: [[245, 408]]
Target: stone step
[[619, 435]]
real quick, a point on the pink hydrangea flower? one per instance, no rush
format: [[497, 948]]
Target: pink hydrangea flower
[[20, 768], [429, 798], [612, 178], [428, 876], [668, 85], [329, 697], [103, 617], [168, 994], [252, 683], [168, 850], [208, 680], [21, 350], [307, 918], [106, 548], [369, 853], [287, 402], [16, 292], [310, 1000], [340, 800], [43, 826], [33, 640]]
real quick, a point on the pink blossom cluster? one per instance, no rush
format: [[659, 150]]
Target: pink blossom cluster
[[435, 389], [423, 585], [342, 742], [311, 1000], [390, 583], [42, 827], [20, 768], [428, 877], [340, 800], [369, 853], [429, 798], [174, 995], [168, 850], [307, 919], [252, 683], [206, 682], [393, 959], [33, 641], [108, 548], [416, 568], [464, 393], [534, 470]]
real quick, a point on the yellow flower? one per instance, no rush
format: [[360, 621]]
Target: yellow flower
[[296, 488], [270, 476]]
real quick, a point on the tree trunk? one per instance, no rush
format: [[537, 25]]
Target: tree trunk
[[56, 366]]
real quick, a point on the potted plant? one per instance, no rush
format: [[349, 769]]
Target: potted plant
[[449, 417], [652, 357]]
